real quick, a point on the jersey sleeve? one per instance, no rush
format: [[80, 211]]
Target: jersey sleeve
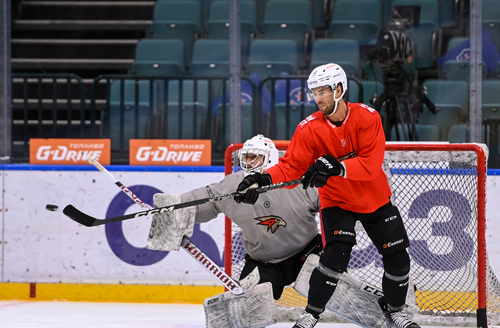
[[209, 211], [371, 141], [297, 158]]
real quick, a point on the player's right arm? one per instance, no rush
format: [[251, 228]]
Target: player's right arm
[[301, 153]]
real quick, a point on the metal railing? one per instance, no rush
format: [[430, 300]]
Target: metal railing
[[124, 107], [152, 107], [46, 106]]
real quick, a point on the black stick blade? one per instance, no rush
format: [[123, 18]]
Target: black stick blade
[[76, 215]]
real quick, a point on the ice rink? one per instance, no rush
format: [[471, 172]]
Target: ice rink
[[35, 314]]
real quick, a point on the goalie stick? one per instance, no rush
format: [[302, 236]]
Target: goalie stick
[[232, 285], [89, 221]]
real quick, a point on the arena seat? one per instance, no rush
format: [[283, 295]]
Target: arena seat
[[177, 19], [338, 51], [159, 57], [271, 57], [360, 20], [289, 20], [210, 58]]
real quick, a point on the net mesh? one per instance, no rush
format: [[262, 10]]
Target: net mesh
[[440, 193]]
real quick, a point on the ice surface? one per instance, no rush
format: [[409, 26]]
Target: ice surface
[[36, 314]]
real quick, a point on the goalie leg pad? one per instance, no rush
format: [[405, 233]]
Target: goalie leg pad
[[168, 228], [253, 309], [353, 300]]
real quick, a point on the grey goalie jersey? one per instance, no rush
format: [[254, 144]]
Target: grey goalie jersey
[[279, 225]]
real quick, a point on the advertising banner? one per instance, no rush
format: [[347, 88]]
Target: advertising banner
[[170, 152], [41, 246], [69, 151], [47, 247]]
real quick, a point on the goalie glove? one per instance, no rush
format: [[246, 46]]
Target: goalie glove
[[318, 174], [247, 188]]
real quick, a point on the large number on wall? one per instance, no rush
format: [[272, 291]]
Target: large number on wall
[[452, 229], [451, 232]]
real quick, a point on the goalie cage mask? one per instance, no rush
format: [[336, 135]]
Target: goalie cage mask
[[266, 154]]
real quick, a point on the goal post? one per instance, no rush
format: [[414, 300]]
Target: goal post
[[440, 191]]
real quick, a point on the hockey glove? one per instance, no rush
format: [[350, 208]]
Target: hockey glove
[[317, 174], [247, 188]]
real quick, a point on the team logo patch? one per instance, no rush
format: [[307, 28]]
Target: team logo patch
[[272, 222], [464, 55]]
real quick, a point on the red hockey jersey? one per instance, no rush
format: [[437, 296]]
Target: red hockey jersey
[[359, 142]]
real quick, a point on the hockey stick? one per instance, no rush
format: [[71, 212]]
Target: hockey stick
[[89, 221], [232, 285]]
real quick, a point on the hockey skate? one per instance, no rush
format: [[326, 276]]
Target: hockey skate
[[396, 319], [306, 320]]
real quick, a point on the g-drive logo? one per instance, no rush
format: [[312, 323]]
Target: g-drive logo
[[163, 154], [69, 151], [62, 153], [180, 152]]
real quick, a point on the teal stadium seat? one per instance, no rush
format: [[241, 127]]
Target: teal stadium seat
[[289, 20], [425, 35], [217, 26], [460, 70], [455, 42], [131, 112], [455, 69], [426, 132], [452, 102], [177, 19], [360, 20], [491, 20], [353, 91], [448, 11], [458, 133], [491, 99], [183, 110], [271, 57], [159, 57], [338, 51], [210, 58]]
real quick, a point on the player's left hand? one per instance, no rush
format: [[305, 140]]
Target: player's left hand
[[317, 174], [248, 193]]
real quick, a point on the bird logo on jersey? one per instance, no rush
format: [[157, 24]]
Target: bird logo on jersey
[[272, 222]]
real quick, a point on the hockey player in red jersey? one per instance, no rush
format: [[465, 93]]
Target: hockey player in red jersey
[[340, 149]]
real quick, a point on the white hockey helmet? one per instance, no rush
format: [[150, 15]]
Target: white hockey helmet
[[266, 154], [327, 75]]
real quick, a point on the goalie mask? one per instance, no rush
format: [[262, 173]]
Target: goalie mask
[[258, 154], [327, 75]]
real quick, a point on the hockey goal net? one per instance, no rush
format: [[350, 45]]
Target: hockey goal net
[[440, 190]]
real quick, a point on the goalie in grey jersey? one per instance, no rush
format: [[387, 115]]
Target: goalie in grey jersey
[[278, 232], [280, 236]]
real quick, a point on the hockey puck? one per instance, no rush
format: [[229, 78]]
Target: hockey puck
[[52, 208]]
